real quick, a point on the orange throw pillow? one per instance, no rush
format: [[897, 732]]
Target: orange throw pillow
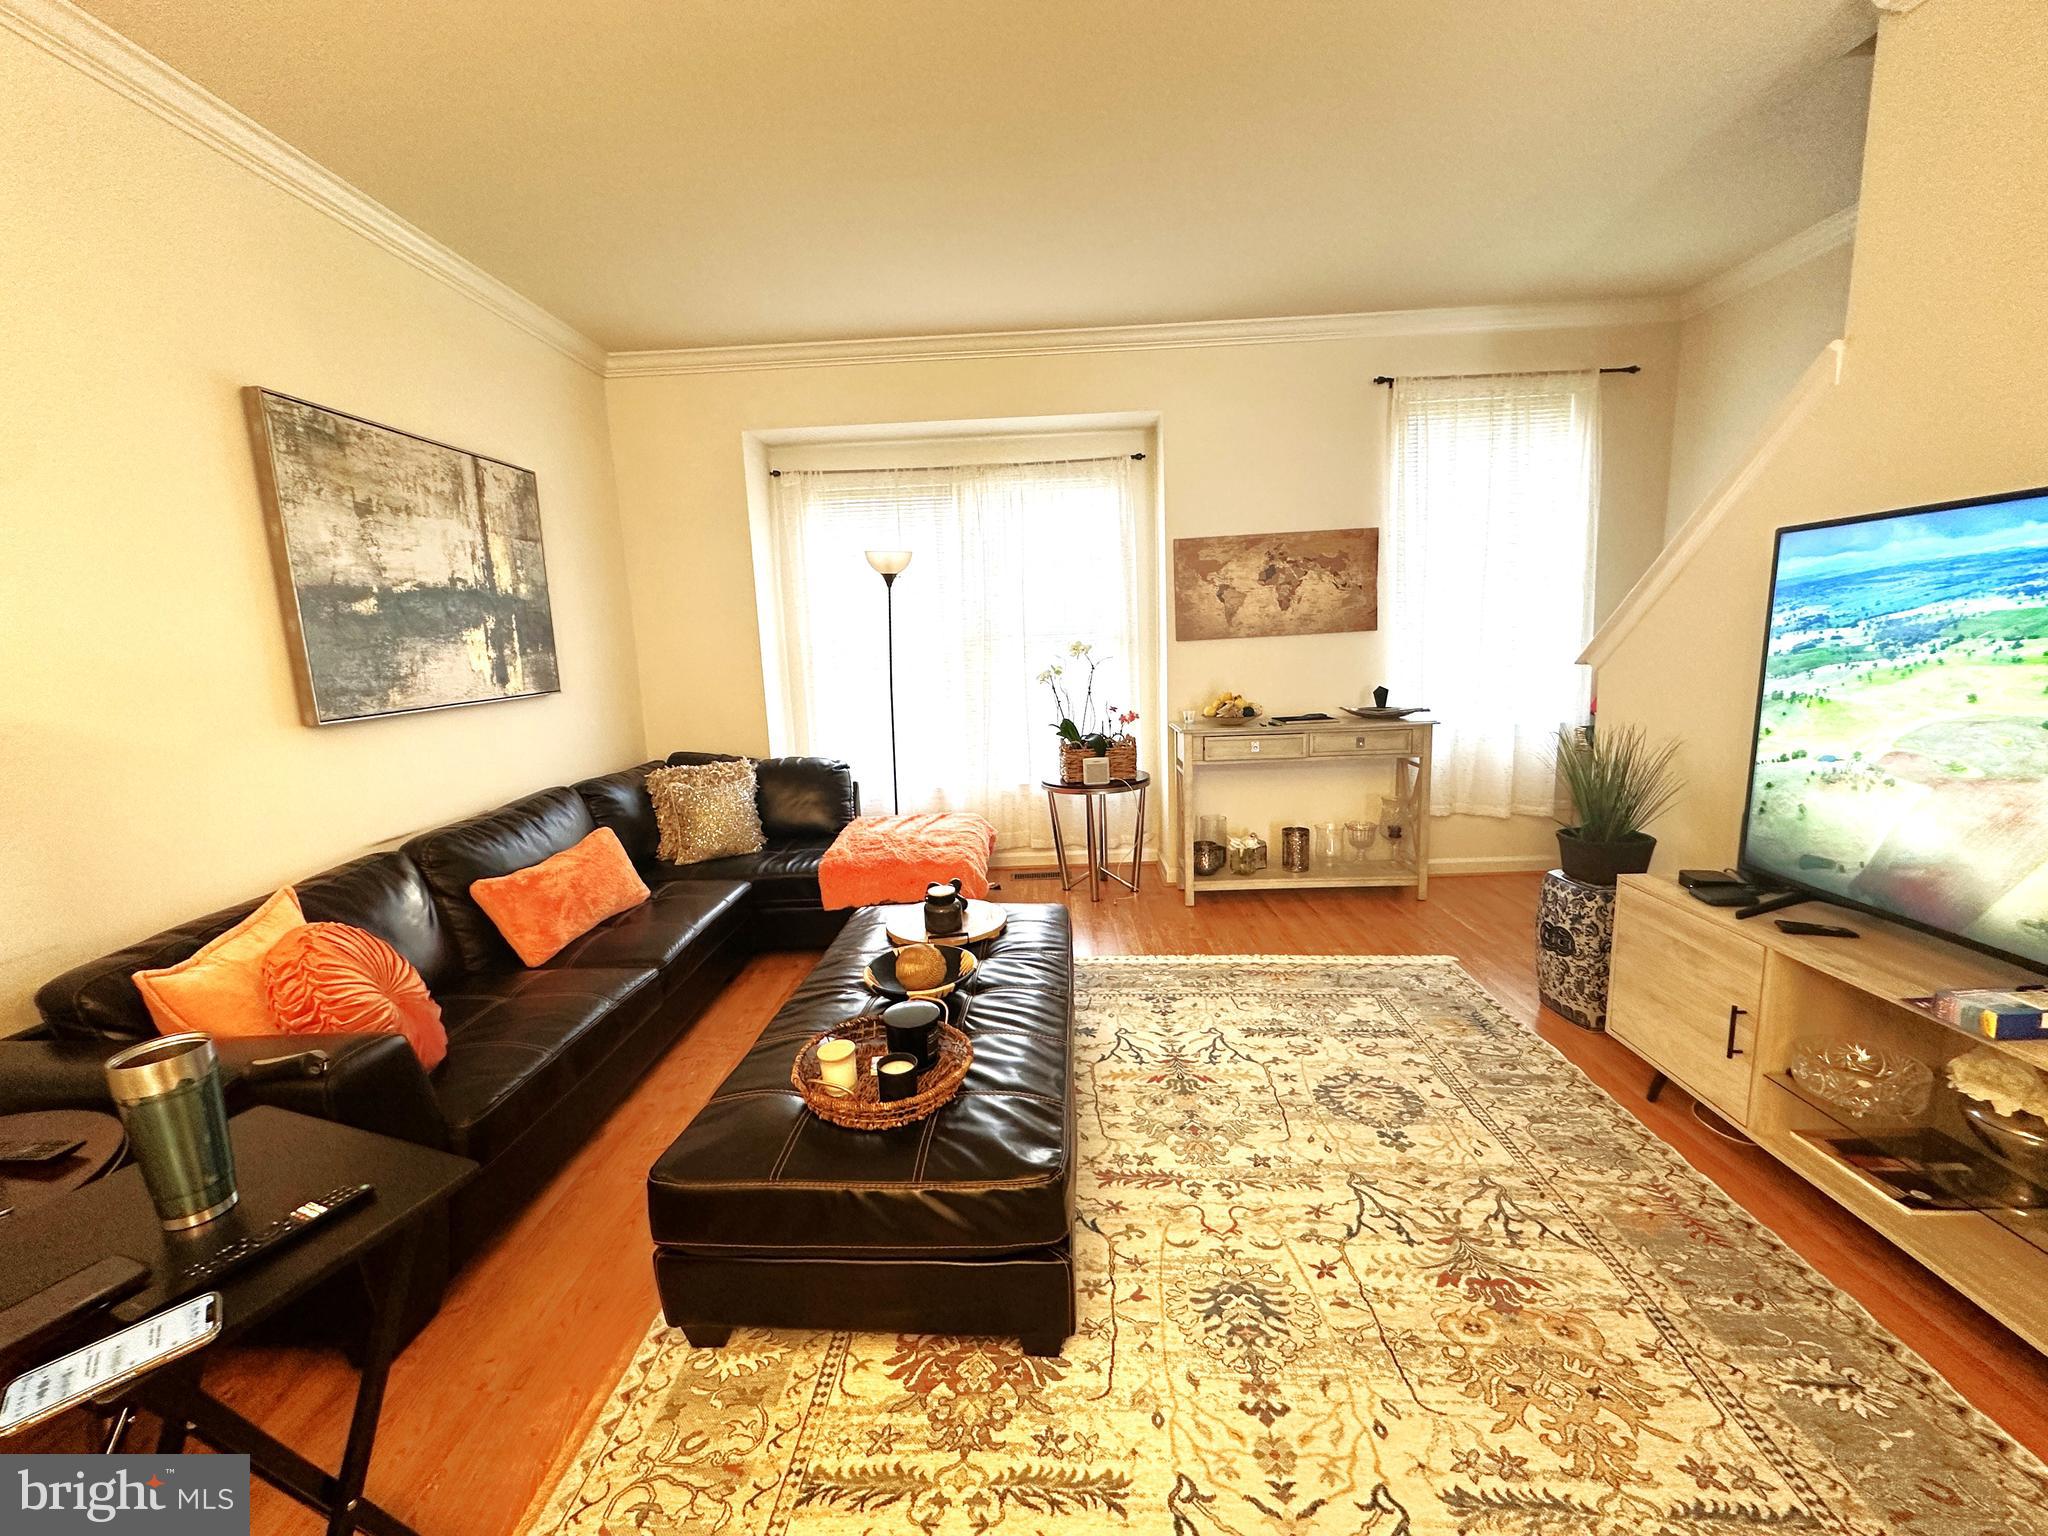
[[332, 979], [543, 906], [218, 989]]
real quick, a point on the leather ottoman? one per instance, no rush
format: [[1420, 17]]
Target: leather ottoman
[[764, 1215]]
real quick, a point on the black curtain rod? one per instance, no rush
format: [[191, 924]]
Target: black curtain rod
[[776, 473], [1387, 378]]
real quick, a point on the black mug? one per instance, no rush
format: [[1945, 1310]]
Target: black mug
[[896, 1076], [914, 1029]]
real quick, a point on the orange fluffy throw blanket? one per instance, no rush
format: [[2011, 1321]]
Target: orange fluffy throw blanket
[[880, 859]]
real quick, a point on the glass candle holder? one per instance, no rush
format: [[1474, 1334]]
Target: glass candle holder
[[1359, 836], [1393, 818], [836, 1065]]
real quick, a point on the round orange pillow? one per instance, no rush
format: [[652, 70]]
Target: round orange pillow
[[332, 979]]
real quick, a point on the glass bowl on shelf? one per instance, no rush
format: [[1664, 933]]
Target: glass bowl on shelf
[[2020, 1140], [1862, 1081]]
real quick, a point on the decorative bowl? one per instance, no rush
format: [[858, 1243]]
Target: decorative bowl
[[1862, 1081], [881, 974], [2018, 1140], [1232, 720], [1210, 857]]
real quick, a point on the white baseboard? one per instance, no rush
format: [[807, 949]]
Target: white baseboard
[[1494, 864]]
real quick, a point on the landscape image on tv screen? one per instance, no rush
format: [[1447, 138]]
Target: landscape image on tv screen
[[1902, 733]]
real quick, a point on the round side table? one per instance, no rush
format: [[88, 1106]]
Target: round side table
[[1095, 803]]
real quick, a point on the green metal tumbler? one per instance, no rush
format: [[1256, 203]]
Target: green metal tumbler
[[168, 1091]]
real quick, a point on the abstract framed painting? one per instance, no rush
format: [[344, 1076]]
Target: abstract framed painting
[[413, 574], [1242, 586]]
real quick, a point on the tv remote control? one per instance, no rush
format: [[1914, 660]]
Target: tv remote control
[[1816, 930], [202, 1273]]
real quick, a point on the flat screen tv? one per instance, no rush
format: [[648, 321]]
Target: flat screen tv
[[1900, 761]]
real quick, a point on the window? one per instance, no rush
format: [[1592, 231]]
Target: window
[[1010, 563], [1490, 517]]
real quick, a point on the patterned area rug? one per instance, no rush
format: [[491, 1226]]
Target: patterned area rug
[[1358, 1254]]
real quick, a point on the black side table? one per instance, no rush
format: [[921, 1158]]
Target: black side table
[[23, 1185], [281, 1160]]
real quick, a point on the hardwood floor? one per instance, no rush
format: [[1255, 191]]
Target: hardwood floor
[[486, 1401]]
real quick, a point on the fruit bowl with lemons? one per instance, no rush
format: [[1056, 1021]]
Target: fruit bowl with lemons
[[1229, 709]]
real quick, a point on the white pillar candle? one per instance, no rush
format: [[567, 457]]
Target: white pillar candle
[[835, 1064]]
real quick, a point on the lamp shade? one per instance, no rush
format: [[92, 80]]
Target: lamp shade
[[889, 562]]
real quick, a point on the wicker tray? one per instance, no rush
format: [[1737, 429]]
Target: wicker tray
[[864, 1109]]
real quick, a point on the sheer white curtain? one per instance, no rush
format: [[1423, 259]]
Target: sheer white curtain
[[1490, 522], [1010, 564]]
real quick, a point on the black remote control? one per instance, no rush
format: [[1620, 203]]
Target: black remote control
[[200, 1274], [1816, 930]]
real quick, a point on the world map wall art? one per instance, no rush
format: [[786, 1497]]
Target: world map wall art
[[413, 573], [1241, 586]]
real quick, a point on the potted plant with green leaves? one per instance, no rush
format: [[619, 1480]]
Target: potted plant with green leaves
[[1091, 732], [1619, 784]]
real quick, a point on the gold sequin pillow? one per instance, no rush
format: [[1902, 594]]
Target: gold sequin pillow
[[705, 811]]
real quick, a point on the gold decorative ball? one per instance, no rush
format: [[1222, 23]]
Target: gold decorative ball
[[920, 966]]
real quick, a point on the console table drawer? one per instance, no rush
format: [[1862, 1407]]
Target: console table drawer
[[1249, 748], [1353, 743]]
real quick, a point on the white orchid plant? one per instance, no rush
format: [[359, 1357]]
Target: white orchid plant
[[1083, 727]]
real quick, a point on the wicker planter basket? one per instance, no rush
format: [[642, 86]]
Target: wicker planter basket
[[1123, 760], [865, 1109]]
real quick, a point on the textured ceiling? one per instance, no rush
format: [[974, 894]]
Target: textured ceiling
[[669, 172]]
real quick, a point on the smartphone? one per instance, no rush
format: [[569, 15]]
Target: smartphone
[[48, 1390]]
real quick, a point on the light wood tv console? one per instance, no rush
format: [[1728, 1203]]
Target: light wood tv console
[[1716, 1004]]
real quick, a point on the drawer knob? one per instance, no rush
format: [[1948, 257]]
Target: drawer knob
[[1256, 745], [1359, 742]]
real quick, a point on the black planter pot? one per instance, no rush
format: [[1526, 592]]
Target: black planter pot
[[1592, 863]]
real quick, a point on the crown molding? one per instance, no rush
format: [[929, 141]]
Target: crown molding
[[1815, 240], [91, 47], [1142, 338]]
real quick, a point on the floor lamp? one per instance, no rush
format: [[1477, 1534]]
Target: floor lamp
[[889, 564]]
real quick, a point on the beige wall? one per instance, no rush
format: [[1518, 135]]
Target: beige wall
[[1737, 360], [1271, 436], [150, 743], [1944, 392]]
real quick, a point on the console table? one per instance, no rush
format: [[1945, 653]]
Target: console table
[[1200, 750], [1717, 1005]]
